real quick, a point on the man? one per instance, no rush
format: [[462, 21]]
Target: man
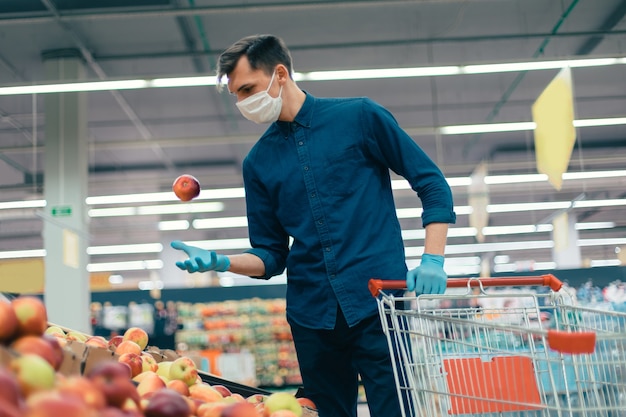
[[320, 175]]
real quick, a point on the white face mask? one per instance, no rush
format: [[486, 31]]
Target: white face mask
[[261, 107]]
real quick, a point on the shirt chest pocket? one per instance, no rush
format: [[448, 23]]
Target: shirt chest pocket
[[344, 171]]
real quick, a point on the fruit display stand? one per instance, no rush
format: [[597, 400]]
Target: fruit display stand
[[254, 326], [49, 371]]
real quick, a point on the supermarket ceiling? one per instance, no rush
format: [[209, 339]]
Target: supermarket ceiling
[[141, 139]]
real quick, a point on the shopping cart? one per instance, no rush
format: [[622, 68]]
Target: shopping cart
[[522, 350]]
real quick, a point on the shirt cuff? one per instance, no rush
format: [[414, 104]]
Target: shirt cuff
[[441, 215], [268, 261]]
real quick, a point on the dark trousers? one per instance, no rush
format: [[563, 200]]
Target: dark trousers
[[331, 361]]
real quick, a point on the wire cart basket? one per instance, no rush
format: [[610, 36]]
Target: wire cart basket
[[473, 352]]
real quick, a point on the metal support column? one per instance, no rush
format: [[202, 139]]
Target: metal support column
[[66, 227]]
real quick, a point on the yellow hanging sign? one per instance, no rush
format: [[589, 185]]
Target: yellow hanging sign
[[555, 135]]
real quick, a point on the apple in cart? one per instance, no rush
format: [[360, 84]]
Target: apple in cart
[[240, 409]]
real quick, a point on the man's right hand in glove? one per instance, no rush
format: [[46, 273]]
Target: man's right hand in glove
[[200, 260]]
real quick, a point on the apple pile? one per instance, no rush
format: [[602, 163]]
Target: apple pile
[[134, 384]]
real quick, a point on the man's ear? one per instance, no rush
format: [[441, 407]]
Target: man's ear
[[282, 73]]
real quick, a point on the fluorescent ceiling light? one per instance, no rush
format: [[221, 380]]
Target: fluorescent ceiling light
[[150, 285], [124, 249], [173, 225], [612, 121], [158, 209], [125, 266], [486, 128], [605, 262], [18, 254], [511, 208], [74, 87], [217, 194], [360, 74], [8, 205], [220, 222]]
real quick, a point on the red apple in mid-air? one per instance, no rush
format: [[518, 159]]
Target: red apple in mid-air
[[137, 335], [167, 403], [186, 187], [8, 322], [31, 315]]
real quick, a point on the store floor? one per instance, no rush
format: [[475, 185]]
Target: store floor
[[362, 410]]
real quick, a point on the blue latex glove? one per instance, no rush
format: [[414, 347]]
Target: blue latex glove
[[201, 260], [429, 277]]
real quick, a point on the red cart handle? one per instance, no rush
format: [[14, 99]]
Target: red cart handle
[[547, 280]]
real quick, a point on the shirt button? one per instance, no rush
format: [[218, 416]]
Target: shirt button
[[320, 222], [313, 195], [327, 249], [306, 168], [332, 275], [300, 143]]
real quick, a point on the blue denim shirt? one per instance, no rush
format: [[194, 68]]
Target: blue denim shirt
[[324, 180]]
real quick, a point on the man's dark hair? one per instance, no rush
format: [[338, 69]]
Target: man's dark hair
[[263, 52]]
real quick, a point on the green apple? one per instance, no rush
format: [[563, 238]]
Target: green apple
[[33, 373], [184, 369], [282, 401]]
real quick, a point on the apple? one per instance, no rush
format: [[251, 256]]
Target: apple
[[45, 346], [211, 409], [222, 390], [97, 342], [55, 331], [163, 369], [167, 403], [128, 346], [256, 398], [8, 322], [10, 392], [178, 386], [204, 392], [31, 315], [148, 362], [149, 384], [55, 404], [33, 373], [184, 369], [73, 335], [306, 402], [244, 409], [186, 187], [281, 401], [113, 379], [137, 335], [84, 389], [134, 362], [10, 410], [283, 413], [114, 342]]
